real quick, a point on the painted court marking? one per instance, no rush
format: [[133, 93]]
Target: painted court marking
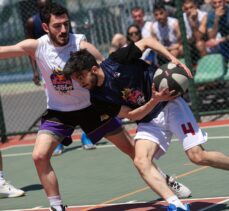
[[198, 204]]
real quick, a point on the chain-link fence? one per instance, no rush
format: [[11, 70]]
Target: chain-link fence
[[22, 103]]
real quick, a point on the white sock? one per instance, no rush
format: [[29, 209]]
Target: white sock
[[174, 200], [2, 180], [55, 202]]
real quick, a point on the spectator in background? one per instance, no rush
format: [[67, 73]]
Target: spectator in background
[[218, 27], [7, 190], [206, 6], [166, 30], [195, 24], [118, 40], [35, 30], [133, 34], [138, 16], [170, 7]]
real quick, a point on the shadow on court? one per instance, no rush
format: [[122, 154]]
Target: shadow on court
[[33, 187]]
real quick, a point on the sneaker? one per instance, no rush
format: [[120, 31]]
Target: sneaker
[[62, 208], [172, 207], [59, 150], [86, 142], [179, 189], [9, 191]]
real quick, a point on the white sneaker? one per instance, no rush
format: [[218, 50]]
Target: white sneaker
[[179, 189], [9, 191]]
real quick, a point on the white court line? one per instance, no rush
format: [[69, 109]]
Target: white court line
[[136, 202], [101, 147]]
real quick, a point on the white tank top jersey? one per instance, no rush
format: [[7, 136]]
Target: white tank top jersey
[[147, 29], [62, 94], [166, 34], [200, 16]]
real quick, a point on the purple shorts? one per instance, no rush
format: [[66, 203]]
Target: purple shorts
[[63, 124]]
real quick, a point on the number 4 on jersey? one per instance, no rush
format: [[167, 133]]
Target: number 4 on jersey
[[187, 128]]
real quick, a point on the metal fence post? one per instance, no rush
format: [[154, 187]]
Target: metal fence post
[[187, 56], [2, 123]]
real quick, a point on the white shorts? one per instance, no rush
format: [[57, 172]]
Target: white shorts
[[176, 118]]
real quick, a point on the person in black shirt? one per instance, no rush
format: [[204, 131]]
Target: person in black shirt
[[125, 81]]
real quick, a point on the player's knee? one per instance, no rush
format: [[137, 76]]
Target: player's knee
[[39, 157], [196, 155], [141, 163]]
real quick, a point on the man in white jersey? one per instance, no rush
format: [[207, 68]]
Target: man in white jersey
[[68, 105], [166, 30], [195, 23], [138, 15]]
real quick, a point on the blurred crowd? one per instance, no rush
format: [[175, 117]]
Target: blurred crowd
[[206, 23]]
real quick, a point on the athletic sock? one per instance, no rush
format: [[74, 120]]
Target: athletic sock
[[55, 202], [2, 180], [174, 200]]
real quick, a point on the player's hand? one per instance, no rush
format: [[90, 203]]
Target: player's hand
[[163, 95], [186, 69]]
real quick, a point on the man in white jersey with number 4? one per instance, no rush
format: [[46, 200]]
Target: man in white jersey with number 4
[[68, 104]]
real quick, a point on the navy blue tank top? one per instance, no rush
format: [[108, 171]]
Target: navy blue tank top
[[128, 80]]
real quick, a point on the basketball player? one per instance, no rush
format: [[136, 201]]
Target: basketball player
[[68, 104], [35, 30], [125, 81]]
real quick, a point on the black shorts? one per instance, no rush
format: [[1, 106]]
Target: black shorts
[[95, 124]]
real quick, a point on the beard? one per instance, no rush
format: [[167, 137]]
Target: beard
[[59, 40], [94, 81]]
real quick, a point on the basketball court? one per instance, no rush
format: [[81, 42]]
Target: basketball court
[[105, 179]]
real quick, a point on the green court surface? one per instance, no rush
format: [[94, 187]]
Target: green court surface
[[106, 176]]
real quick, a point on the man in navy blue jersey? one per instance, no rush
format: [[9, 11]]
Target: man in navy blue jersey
[[125, 81]]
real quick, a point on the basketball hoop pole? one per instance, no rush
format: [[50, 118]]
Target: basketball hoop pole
[[187, 56]]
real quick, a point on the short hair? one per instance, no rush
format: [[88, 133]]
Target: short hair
[[134, 9], [79, 61], [189, 1], [159, 6], [53, 9]]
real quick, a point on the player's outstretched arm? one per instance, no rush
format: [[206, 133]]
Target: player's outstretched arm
[[24, 48], [93, 50], [152, 43]]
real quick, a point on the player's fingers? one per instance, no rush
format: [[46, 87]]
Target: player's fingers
[[186, 69]]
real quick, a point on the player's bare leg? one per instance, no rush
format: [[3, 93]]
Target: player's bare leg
[[123, 141], [42, 153], [214, 159]]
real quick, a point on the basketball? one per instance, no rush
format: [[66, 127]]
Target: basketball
[[171, 76]]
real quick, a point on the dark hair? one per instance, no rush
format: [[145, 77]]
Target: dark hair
[[128, 34], [159, 6], [52, 9], [79, 61]]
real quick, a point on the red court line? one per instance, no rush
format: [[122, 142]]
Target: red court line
[[195, 205]]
